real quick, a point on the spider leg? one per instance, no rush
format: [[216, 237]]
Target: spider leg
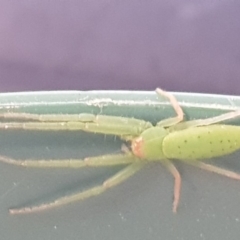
[[174, 120], [104, 160], [109, 183], [120, 126], [177, 185], [207, 121], [215, 169]]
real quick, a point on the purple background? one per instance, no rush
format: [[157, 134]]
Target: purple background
[[135, 45]]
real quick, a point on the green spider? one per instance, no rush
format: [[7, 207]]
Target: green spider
[[172, 138]]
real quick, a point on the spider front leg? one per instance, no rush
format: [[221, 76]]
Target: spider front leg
[[127, 128], [109, 183]]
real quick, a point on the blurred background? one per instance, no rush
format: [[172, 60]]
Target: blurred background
[[132, 45]]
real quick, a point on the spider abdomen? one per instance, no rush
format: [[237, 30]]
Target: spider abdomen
[[202, 142]]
